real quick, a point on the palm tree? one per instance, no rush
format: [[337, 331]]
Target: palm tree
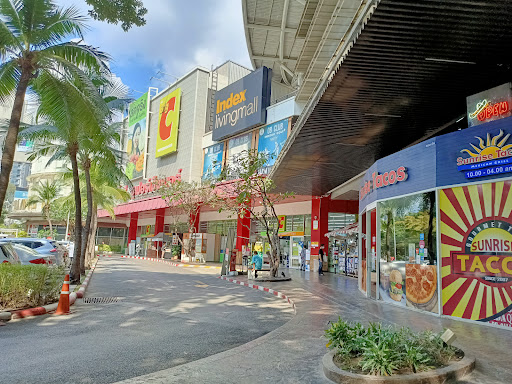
[[45, 194], [104, 193], [35, 46], [74, 113]]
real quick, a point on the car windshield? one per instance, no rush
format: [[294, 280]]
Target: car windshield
[[25, 249]]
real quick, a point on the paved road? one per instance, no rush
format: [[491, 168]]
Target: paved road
[[166, 316]]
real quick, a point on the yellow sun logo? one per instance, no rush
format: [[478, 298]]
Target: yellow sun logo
[[489, 146]]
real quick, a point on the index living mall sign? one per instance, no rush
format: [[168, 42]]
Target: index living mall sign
[[242, 105]]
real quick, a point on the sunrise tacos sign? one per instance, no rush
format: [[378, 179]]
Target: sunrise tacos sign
[[137, 128]]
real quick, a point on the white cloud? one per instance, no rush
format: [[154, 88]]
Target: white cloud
[[178, 36]]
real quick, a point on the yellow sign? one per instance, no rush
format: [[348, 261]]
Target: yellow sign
[[168, 122], [291, 233]]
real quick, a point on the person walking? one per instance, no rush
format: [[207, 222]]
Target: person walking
[[321, 258], [303, 257]]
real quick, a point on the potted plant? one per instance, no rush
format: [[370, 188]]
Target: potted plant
[[378, 353]]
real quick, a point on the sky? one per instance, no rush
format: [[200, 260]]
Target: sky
[[178, 36]]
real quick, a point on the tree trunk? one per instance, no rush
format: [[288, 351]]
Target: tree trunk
[[388, 229], [49, 220], [9, 145], [87, 228], [92, 237], [274, 252], [75, 268]]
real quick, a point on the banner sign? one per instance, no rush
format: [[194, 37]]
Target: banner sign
[[476, 252], [242, 105], [410, 170], [271, 141], [168, 123], [212, 161], [237, 146], [490, 105], [137, 128]]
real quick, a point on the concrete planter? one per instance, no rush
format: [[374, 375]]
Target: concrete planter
[[454, 371]]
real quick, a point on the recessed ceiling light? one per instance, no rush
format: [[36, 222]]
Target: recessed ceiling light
[[381, 115], [449, 61]]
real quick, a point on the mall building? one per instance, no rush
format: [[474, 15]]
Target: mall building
[[391, 121]]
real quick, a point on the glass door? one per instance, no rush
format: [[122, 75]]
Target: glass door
[[296, 248]]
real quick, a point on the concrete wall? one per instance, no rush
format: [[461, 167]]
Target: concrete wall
[[189, 152]]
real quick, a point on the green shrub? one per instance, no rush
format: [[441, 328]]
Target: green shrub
[[104, 248], [116, 248], [383, 350], [25, 286]]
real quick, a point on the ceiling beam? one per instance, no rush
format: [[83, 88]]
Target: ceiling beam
[[270, 28], [272, 58]]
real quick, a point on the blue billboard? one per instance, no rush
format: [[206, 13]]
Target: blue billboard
[[212, 161], [242, 105], [271, 141], [482, 152]]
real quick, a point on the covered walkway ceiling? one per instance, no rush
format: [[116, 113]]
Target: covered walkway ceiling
[[401, 77]]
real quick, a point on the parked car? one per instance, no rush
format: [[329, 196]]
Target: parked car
[[41, 246], [8, 254], [28, 256]]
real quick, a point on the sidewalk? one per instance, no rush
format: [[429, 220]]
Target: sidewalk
[[293, 352]]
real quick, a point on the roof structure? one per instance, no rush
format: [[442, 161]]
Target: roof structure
[[401, 75]]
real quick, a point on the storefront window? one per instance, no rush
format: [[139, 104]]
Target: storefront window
[[408, 274]]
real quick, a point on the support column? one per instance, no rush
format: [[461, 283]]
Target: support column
[[159, 221], [319, 225], [132, 231], [243, 231]]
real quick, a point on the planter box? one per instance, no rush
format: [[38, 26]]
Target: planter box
[[454, 371]]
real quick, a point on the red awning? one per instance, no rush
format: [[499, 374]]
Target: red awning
[[135, 206]]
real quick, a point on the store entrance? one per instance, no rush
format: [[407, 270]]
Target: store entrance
[[296, 244]]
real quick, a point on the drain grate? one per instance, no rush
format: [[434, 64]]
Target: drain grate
[[101, 300]]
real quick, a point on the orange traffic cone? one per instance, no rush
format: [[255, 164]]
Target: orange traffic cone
[[63, 307]]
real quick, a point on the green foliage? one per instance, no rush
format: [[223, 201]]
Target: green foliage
[[22, 234], [126, 12], [23, 286], [45, 233], [116, 248], [176, 250], [104, 248], [383, 350]]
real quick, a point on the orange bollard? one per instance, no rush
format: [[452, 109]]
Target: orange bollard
[[63, 307]]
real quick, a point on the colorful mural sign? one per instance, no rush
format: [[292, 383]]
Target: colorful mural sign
[[476, 252], [168, 123], [271, 141], [212, 161], [137, 128]]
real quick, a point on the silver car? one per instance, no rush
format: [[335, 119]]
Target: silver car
[[29, 256], [41, 246]]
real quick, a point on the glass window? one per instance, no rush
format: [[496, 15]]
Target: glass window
[[408, 251], [103, 231], [298, 223], [117, 232], [307, 225]]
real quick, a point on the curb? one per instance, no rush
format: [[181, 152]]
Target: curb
[[454, 371], [170, 262], [83, 287], [261, 288], [37, 311]]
